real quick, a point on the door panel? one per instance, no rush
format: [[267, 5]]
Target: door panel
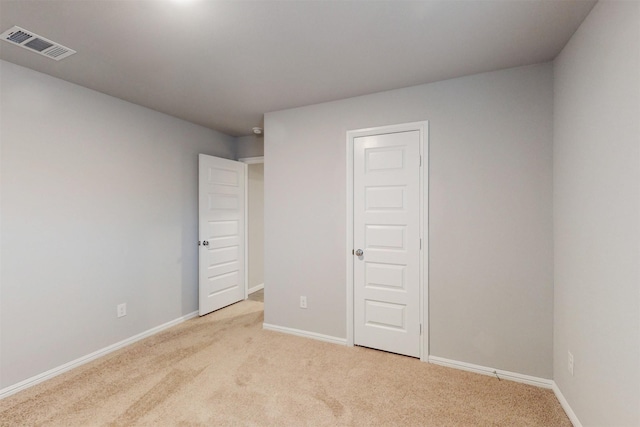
[[386, 276], [221, 229], [387, 229]]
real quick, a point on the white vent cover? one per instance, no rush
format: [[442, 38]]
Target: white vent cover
[[35, 43]]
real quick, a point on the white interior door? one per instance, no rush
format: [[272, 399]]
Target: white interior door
[[221, 229], [386, 228]]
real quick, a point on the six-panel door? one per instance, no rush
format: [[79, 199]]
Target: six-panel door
[[387, 229]]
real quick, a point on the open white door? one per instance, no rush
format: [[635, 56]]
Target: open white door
[[387, 240], [221, 230]]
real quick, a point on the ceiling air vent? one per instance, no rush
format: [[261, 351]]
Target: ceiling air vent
[[35, 43]]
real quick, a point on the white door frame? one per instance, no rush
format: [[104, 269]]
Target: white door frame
[[248, 161], [423, 128]]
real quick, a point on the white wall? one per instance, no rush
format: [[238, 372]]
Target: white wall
[[490, 213], [256, 224], [249, 146], [597, 216], [99, 207]]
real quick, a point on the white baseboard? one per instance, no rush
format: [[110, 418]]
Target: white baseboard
[[565, 405], [305, 334], [30, 382], [256, 288], [512, 376], [503, 375]]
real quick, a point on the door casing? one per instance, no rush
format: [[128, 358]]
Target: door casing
[[423, 128]]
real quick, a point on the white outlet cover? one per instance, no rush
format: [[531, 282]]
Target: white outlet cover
[[121, 310]]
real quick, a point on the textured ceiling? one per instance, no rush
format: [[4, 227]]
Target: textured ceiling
[[223, 64]]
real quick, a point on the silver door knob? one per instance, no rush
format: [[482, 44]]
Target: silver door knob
[[359, 252]]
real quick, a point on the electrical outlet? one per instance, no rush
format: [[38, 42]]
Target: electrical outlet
[[570, 364], [122, 309], [303, 302]]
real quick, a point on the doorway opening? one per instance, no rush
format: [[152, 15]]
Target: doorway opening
[[254, 228]]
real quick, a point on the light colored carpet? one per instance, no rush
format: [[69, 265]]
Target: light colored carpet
[[257, 296], [224, 369]]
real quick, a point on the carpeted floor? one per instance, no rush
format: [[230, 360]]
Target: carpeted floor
[[224, 369], [257, 296]]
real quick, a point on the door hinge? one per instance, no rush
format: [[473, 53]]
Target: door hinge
[[421, 329], [420, 244], [353, 251]]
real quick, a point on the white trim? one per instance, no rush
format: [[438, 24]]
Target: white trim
[[246, 231], [424, 235], [423, 128], [565, 405], [349, 246], [256, 288], [305, 334], [252, 160], [484, 370], [30, 382]]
